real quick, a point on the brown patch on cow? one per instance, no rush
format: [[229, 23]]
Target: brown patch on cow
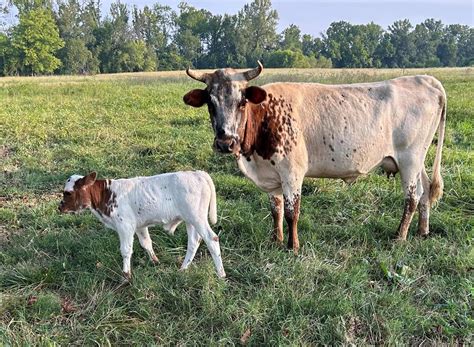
[[276, 204], [354, 150], [292, 213], [268, 128], [408, 211]]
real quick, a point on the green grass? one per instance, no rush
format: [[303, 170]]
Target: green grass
[[60, 274]]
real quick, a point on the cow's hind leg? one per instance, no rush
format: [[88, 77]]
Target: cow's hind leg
[[276, 204], [193, 244], [413, 188], [424, 206], [145, 242]]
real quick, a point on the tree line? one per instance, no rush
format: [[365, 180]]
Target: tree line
[[74, 37]]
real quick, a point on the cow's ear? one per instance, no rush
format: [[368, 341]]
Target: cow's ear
[[196, 97], [255, 94], [89, 179]]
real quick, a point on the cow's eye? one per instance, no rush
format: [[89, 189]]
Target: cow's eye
[[67, 193]]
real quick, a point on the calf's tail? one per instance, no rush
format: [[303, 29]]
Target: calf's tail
[[436, 187], [212, 202]]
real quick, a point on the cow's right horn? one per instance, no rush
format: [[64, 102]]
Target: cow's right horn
[[251, 74], [198, 76]]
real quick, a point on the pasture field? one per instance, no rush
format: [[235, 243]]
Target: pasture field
[[60, 275]]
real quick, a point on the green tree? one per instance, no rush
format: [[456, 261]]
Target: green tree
[[402, 42], [257, 37], [291, 38], [36, 40]]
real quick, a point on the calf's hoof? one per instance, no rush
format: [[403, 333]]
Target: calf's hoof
[[127, 276], [155, 260]]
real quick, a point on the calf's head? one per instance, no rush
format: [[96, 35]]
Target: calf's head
[[76, 195], [226, 95]]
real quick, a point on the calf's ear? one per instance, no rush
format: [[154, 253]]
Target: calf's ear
[[255, 94], [196, 97], [90, 178]]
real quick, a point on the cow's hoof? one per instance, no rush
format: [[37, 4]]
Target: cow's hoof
[[127, 276], [155, 260], [423, 233]]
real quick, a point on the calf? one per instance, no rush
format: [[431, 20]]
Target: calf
[[130, 206]]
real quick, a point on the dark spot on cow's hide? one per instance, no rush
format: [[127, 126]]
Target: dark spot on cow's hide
[[354, 150], [331, 147], [248, 159], [270, 128], [273, 162], [342, 141], [333, 159]]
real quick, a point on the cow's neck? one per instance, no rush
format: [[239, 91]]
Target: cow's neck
[[255, 115], [102, 198]]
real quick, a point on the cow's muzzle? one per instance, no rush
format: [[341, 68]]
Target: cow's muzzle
[[227, 145]]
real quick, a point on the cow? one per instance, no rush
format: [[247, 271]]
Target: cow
[[283, 132], [130, 206]]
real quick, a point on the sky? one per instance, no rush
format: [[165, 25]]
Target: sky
[[314, 16]]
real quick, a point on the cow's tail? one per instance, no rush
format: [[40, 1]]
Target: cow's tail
[[436, 187], [212, 202]]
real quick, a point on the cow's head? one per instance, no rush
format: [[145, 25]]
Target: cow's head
[[76, 195], [226, 96]]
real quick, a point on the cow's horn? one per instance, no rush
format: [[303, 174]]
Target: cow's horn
[[198, 76], [251, 74]]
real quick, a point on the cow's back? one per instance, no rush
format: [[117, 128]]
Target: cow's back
[[348, 129]]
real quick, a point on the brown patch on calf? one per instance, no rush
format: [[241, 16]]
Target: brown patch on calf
[[90, 193], [103, 200]]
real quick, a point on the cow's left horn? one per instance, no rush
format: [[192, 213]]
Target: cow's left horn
[[198, 76], [251, 74]]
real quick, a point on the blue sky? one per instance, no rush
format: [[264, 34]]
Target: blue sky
[[314, 16]]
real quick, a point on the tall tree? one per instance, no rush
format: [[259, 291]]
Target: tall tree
[[36, 40], [257, 30], [291, 38], [402, 42]]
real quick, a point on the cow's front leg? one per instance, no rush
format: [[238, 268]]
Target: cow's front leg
[[126, 249], [292, 199], [276, 204]]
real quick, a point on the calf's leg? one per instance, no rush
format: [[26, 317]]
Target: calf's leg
[[126, 249], [212, 243], [145, 242], [276, 204], [193, 244]]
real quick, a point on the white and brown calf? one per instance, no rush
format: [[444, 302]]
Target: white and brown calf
[[130, 206], [283, 132]]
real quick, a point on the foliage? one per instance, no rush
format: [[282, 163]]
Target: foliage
[[35, 40], [157, 37]]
